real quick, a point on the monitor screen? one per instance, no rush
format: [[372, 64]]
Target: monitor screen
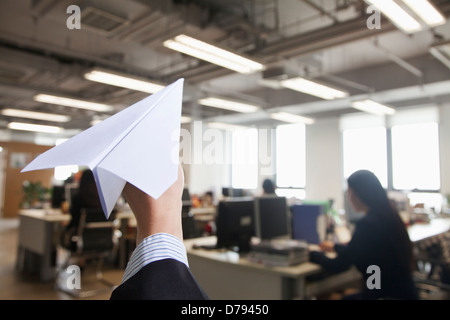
[[271, 217], [234, 224], [58, 196], [309, 223]]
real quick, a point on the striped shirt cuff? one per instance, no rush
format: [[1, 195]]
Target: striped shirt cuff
[[153, 248]]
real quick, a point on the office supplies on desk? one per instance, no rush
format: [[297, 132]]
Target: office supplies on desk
[[138, 144], [282, 252]]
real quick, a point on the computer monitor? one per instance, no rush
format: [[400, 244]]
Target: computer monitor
[[271, 217], [237, 192], [58, 196], [234, 224], [309, 223]]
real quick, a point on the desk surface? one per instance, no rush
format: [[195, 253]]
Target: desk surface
[[234, 258], [420, 231], [48, 215]]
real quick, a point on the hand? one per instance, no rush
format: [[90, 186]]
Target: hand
[[157, 215], [327, 246]]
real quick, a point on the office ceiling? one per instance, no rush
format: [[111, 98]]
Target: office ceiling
[[323, 39]]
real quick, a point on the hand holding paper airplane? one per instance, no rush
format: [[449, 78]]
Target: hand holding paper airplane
[[139, 145]]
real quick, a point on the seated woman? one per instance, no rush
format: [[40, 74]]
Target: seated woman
[[380, 240]]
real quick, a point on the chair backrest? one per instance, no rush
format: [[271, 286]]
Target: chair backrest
[[95, 232]]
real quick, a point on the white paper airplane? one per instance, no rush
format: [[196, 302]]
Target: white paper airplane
[[139, 145]]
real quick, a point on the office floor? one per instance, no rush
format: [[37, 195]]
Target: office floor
[[18, 286]]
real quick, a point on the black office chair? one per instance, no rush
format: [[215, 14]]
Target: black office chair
[[96, 239], [432, 276]]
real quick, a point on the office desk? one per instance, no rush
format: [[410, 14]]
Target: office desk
[[420, 231], [38, 237], [227, 275]]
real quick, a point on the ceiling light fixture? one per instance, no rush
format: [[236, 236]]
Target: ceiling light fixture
[[373, 107], [313, 88], [123, 81], [35, 115], [426, 11], [226, 126], [74, 103], [204, 51], [291, 118], [185, 119], [397, 15], [34, 127], [228, 105]]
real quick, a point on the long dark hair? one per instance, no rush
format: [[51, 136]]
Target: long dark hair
[[369, 190]]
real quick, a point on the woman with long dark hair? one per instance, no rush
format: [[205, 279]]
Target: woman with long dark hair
[[380, 240]]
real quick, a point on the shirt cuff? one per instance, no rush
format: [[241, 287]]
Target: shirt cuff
[[153, 248]]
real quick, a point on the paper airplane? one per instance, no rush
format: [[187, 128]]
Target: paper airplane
[[139, 145]]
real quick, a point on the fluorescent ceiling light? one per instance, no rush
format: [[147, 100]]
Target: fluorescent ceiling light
[[226, 126], [426, 11], [313, 88], [397, 15], [34, 127], [35, 115], [291, 118], [74, 103], [123, 81], [228, 105], [204, 51], [373, 107], [185, 119]]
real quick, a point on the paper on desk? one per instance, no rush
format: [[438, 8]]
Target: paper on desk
[[139, 144]]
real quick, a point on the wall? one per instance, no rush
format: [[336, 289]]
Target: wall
[[444, 132], [16, 155], [324, 162]]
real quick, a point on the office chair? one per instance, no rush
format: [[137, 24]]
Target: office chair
[[432, 276], [96, 239]]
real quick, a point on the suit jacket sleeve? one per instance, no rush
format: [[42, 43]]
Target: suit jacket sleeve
[[158, 270], [166, 279]]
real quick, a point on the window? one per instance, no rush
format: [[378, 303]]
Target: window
[[244, 168], [407, 141], [415, 156], [364, 145], [365, 148], [290, 160]]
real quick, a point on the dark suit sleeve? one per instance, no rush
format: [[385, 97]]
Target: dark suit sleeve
[[166, 279]]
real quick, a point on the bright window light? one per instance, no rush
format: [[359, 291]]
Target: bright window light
[[244, 168], [290, 156], [204, 51], [415, 156], [365, 148]]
